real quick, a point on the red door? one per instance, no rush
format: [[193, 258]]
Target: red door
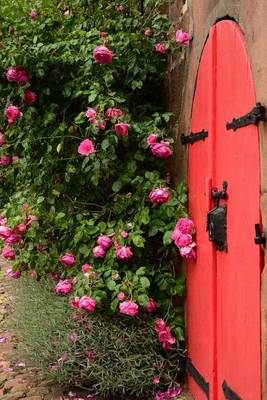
[[224, 287]]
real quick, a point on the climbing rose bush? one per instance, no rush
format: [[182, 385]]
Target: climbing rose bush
[[85, 194]]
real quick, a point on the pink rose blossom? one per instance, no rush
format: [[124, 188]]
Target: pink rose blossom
[[160, 48], [29, 97], [104, 241], [188, 252], [122, 129], [113, 112], [63, 287], [87, 303], [54, 367], [101, 125], [3, 221], [90, 113], [8, 253], [12, 113], [12, 74], [151, 306], [5, 232], [182, 37], [124, 234], [129, 308], [63, 357], [32, 274], [183, 240], [74, 303], [185, 225], [31, 218], [86, 147], [86, 268], [148, 32], [152, 138], [121, 296], [5, 160], [33, 14], [155, 379], [67, 260], [21, 228], [160, 325], [55, 276], [102, 55], [12, 274], [161, 149], [166, 336], [2, 139], [102, 34], [12, 239], [99, 252], [160, 195], [22, 77], [15, 159], [123, 253], [174, 392]]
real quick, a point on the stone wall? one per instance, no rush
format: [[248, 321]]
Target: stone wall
[[198, 16]]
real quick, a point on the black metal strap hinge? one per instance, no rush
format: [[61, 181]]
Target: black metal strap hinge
[[256, 115], [229, 393], [193, 137], [260, 237], [198, 378]]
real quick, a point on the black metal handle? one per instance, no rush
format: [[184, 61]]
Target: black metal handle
[[260, 237]]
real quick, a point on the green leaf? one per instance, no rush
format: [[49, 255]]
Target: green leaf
[[116, 187], [111, 284], [141, 271], [143, 300], [138, 240], [145, 282], [167, 238], [144, 216]]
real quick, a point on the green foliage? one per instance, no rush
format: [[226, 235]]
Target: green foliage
[[120, 360], [77, 198]]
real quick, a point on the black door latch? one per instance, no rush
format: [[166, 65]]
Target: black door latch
[[216, 218], [260, 237]]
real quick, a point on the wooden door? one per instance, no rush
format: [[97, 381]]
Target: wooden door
[[224, 287]]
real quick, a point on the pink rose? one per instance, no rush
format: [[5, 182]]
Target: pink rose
[[86, 268], [182, 37], [29, 97], [5, 232], [101, 125], [30, 218], [67, 260], [124, 234], [183, 240], [174, 392], [152, 138], [166, 336], [104, 241], [160, 195], [21, 228], [63, 287], [5, 160], [12, 113], [87, 303], [86, 147], [12, 239], [33, 14], [102, 34], [90, 113], [123, 253], [122, 129], [2, 139], [102, 55], [74, 303], [113, 112], [160, 325], [155, 379], [12, 274], [63, 357], [12, 74], [151, 306], [3, 221], [32, 274], [160, 48], [148, 32], [121, 296], [185, 225], [129, 308], [15, 159], [99, 252], [8, 253], [188, 252], [22, 77], [161, 149]]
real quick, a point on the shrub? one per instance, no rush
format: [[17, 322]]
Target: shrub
[[112, 355]]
